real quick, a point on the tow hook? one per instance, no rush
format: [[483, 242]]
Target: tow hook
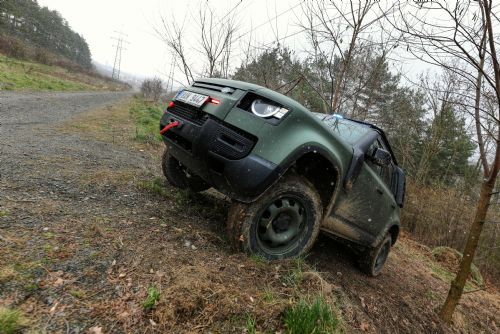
[[169, 126]]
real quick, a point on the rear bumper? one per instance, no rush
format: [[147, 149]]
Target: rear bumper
[[219, 154]]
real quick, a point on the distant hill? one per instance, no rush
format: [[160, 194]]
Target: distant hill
[[45, 28]]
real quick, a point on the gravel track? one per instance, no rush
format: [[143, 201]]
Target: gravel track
[[82, 242]]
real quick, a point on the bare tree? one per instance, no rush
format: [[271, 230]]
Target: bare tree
[[211, 46], [437, 32], [152, 89], [172, 35], [335, 29], [216, 40]]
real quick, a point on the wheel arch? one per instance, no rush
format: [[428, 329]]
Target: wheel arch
[[394, 232], [311, 162]]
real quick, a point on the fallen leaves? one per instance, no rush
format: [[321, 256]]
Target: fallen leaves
[[95, 330]]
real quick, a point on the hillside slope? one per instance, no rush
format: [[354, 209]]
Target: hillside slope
[[94, 230], [18, 74]]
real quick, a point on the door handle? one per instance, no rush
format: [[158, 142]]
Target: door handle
[[379, 191]]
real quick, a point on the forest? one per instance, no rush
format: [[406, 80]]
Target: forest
[[45, 28]]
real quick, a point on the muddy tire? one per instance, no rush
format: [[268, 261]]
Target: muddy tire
[[283, 223], [178, 176], [373, 260]]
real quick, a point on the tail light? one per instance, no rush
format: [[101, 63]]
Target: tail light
[[214, 101]]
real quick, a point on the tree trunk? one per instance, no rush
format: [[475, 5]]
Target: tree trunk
[[343, 68], [457, 286], [338, 83]]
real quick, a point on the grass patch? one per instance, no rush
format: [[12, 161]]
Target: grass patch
[[11, 321], [314, 317], [155, 186], [152, 298], [48, 235], [25, 75], [7, 273], [146, 117], [432, 295], [4, 213], [258, 259], [296, 274], [268, 296], [80, 294], [250, 325], [20, 275], [30, 288]]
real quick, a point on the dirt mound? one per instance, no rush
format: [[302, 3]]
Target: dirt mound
[[450, 259]]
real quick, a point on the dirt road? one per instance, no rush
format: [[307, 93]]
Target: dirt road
[[87, 227]]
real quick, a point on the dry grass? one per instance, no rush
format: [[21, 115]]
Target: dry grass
[[111, 124], [440, 216], [7, 273], [104, 175]]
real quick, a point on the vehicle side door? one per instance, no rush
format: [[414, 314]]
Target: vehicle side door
[[360, 213]]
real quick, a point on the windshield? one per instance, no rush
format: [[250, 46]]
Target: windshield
[[349, 131]]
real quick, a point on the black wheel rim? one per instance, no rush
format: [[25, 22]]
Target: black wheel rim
[[281, 224], [382, 256]]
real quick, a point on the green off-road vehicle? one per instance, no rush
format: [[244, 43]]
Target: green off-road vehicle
[[290, 172]]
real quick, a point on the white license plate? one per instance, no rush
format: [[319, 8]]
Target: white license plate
[[191, 98]]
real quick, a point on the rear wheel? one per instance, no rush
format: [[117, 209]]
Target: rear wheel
[[284, 222], [179, 176], [374, 259]]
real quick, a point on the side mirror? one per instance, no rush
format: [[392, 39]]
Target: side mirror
[[381, 157]]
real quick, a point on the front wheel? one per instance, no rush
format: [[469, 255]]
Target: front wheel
[[283, 223], [374, 259], [179, 176]]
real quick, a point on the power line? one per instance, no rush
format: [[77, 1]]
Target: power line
[[268, 45], [227, 14], [269, 21], [120, 39]]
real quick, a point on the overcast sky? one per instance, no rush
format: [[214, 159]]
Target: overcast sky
[[146, 55]]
